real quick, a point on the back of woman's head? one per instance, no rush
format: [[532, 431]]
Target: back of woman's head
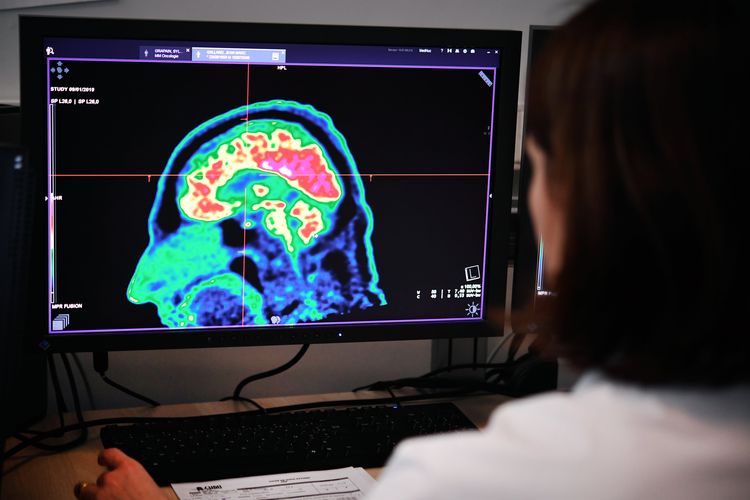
[[641, 106]]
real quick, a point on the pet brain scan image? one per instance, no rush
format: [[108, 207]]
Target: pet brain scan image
[[260, 217]]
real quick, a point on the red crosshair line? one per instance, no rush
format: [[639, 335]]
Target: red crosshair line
[[269, 174]]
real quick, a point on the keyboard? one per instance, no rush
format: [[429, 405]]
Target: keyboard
[[246, 444]]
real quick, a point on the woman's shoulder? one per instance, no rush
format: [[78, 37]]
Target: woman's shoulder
[[602, 440], [509, 453], [609, 421]]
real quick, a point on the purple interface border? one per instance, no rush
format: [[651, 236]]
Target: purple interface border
[[493, 69]]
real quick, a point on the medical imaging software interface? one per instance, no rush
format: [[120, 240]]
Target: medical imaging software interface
[[195, 184]]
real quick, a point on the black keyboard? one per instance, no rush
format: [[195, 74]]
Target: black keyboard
[[245, 444]]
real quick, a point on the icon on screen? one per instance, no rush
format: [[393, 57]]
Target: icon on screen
[[472, 309], [60, 322], [472, 273], [59, 70]]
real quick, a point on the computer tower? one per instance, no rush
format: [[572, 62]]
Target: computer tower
[[22, 365]]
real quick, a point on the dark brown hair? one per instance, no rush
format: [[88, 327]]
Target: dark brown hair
[[641, 107]]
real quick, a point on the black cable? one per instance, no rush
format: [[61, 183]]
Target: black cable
[[270, 373], [475, 355], [515, 345], [422, 383], [79, 416], [464, 366], [85, 378], [494, 378], [507, 368], [280, 409], [59, 400], [30, 431], [384, 383], [396, 401], [52, 447], [101, 365], [73, 387], [127, 391], [247, 400]]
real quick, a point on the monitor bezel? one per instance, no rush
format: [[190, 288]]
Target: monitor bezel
[[33, 30]]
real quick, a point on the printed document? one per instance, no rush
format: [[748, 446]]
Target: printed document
[[348, 483]]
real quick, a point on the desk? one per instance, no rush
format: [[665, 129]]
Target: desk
[[38, 475]]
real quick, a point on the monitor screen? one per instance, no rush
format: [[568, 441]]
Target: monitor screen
[[216, 183]]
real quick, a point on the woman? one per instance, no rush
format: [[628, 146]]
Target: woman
[[635, 118]]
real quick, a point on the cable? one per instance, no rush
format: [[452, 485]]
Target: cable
[[59, 400], [507, 371], [515, 345], [428, 383], [270, 373], [85, 378], [444, 369], [396, 401], [475, 354], [101, 365], [384, 383], [500, 346], [73, 387], [494, 370], [127, 391], [30, 431], [36, 440], [247, 400]]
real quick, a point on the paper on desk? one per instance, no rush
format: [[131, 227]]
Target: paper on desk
[[336, 484]]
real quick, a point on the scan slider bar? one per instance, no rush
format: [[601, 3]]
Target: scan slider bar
[[232, 54]]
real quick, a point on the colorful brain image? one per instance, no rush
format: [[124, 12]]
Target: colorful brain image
[[260, 217]]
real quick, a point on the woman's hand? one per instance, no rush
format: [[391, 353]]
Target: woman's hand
[[125, 479]]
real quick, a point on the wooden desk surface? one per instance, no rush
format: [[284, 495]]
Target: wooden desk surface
[[34, 474]]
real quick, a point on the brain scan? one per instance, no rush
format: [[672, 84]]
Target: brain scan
[[259, 217]]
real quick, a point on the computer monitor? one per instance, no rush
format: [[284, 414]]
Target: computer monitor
[[215, 184]]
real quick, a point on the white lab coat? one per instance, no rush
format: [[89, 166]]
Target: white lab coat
[[601, 441]]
